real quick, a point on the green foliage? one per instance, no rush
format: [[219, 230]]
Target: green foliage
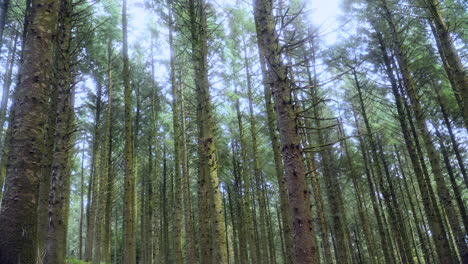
[[76, 261]]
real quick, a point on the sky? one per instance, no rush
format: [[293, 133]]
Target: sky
[[324, 14]]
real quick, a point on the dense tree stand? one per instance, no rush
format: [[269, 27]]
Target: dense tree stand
[[225, 132]]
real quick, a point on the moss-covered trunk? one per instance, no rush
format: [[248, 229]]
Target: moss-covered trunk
[[18, 216], [59, 194]]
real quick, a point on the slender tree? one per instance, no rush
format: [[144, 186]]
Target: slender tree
[[129, 254]]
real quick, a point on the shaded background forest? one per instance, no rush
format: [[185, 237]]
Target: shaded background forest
[[195, 131]]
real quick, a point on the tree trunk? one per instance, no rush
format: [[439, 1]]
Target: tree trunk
[[281, 179], [425, 244], [248, 228], [453, 65], [106, 237], [59, 195], [410, 86], [313, 81], [46, 162], [368, 235], [453, 181], [376, 163], [18, 216], [432, 213], [256, 166], [385, 243], [190, 242], [177, 211], [129, 242], [453, 140], [299, 195], [80, 235], [93, 181], [214, 249]]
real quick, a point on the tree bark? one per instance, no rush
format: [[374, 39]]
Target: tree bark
[[292, 153], [215, 249], [313, 81], [190, 242], [59, 194], [18, 216], [80, 224], [106, 240], [177, 210], [129, 242]]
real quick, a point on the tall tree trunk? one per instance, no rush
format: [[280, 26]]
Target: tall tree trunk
[[208, 179], [234, 220], [432, 213], [453, 181], [453, 65], [129, 242], [103, 214], [385, 243], [248, 229], [299, 194], [93, 181], [203, 199], [165, 248], [47, 160], [313, 81], [190, 242], [281, 179], [425, 244], [256, 165], [177, 210], [106, 237], [456, 149], [410, 86], [80, 224], [148, 235], [59, 195], [380, 170], [18, 216], [101, 204], [368, 235], [155, 171]]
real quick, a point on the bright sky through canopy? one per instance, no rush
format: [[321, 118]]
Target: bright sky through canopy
[[323, 14]]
